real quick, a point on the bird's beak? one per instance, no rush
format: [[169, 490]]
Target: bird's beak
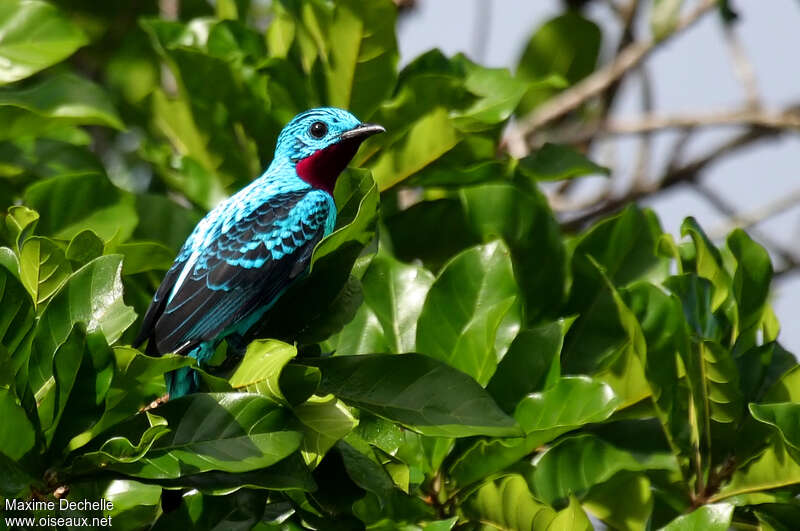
[[362, 131]]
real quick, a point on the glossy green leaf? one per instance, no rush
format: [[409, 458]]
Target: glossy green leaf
[[625, 502], [624, 246], [532, 361], [229, 432], [414, 390], [508, 504], [571, 402], [361, 55], [395, 292], [554, 162], [43, 268], [772, 469], [16, 319], [575, 464], [261, 368], [784, 416], [84, 247], [752, 278], [464, 308], [91, 296], [20, 221], [324, 420], [55, 102], [33, 36], [521, 216], [713, 517], [572, 517]]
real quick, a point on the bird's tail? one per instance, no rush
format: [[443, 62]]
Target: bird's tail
[[186, 380]]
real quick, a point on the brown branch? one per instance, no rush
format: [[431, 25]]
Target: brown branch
[[786, 119], [593, 85], [683, 174]]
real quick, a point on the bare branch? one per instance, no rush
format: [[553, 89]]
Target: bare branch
[[742, 67], [682, 174], [593, 85], [786, 119]]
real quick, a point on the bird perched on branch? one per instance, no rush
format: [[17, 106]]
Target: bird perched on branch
[[246, 252]]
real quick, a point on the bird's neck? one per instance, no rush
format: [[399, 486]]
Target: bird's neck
[[322, 168]]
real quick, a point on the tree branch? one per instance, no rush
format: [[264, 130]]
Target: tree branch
[[682, 174], [593, 85]]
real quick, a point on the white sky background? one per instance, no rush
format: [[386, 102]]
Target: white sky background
[[689, 73]]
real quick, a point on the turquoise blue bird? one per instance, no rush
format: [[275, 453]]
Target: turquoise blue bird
[[246, 252]]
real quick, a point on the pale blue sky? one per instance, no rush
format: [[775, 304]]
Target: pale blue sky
[[692, 72]]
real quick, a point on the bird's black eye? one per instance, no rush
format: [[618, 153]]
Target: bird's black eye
[[318, 129]]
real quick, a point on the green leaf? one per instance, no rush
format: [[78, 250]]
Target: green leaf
[[573, 401], [751, 280], [521, 216], [664, 17], [497, 94], [18, 435], [324, 421], [91, 296], [33, 36], [572, 517], [566, 46], [569, 404], [508, 504], [531, 362], [713, 517], [287, 474], [395, 292], [144, 256], [625, 502], [708, 263], [84, 247], [555, 162], [43, 268], [666, 336], [261, 368], [464, 308], [20, 221], [104, 209], [16, 319], [772, 469], [361, 55], [414, 390], [64, 99], [576, 464], [624, 246], [785, 417], [228, 432]]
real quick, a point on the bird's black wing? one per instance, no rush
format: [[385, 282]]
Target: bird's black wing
[[241, 269]]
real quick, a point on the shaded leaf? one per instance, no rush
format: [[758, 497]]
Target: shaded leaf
[[414, 390], [553, 162]]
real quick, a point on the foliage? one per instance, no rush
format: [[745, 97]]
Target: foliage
[[453, 361]]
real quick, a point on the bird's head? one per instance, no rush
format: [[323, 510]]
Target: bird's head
[[321, 142]]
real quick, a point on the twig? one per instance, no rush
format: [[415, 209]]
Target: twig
[[593, 85], [742, 67], [757, 215], [682, 174], [786, 119]]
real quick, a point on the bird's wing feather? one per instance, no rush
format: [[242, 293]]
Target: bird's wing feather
[[243, 268]]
